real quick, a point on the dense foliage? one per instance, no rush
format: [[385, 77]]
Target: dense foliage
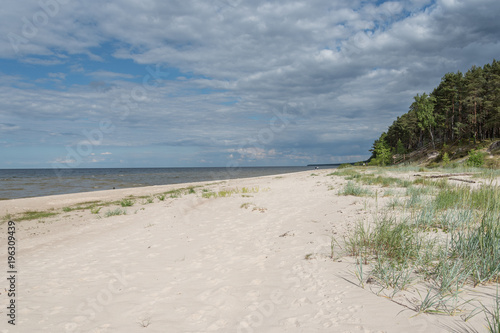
[[463, 107]]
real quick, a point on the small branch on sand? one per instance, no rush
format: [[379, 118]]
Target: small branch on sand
[[446, 175], [463, 180]]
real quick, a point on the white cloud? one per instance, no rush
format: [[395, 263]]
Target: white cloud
[[342, 64], [109, 75]]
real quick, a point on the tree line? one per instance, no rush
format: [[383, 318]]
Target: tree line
[[463, 107]]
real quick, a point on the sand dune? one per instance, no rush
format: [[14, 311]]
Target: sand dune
[[196, 264]]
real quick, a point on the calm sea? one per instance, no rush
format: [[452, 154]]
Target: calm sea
[[23, 183]]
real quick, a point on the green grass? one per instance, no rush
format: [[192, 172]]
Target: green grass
[[352, 188], [127, 202], [209, 195], [254, 189], [493, 316], [115, 212], [445, 237], [149, 200], [178, 192], [35, 215], [81, 206], [348, 172], [95, 210], [229, 192], [370, 179]]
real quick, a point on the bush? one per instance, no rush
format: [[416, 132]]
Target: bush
[[446, 159], [476, 158]]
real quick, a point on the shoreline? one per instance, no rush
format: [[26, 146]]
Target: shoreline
[[58, 201], [30, 183]]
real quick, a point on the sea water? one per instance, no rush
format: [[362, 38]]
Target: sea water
[[23, 183]]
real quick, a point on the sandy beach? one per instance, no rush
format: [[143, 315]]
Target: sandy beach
[[255, 258]]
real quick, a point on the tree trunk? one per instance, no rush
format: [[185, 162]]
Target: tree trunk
[[452, 119], [432, 138], [475, 120]]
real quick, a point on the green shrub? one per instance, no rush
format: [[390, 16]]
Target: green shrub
[[446, 159], [476, 158]]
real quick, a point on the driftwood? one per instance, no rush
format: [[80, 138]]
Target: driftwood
[[446, 175], [463, 180], [450, 176]]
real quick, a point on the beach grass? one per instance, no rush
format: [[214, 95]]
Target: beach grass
[[95, 210], [352, 188], [229, 192], [35, 215], [127, 202], [493, 316], [115, 212], [444, 237]]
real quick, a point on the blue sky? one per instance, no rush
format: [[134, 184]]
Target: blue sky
[[222, 82]]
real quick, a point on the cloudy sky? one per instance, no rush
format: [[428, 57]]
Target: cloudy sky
[[150, 83]]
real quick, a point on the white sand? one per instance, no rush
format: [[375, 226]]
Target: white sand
[[193, 264]]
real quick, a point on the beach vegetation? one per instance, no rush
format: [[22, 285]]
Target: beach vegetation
[[208, 194], [178, 192], [224, 193], [115, 212], [229, 192], [346, 172], [7, 217], [95, 210], [493, 315], [149, 200], [254, 189], [446, 159], [476, 159], [352, 188], [127, 202], [445, 239], [145, 322], [161, 197], [344, 166], [35, 215]]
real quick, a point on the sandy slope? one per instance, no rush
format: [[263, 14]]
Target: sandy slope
[[193, 264]]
